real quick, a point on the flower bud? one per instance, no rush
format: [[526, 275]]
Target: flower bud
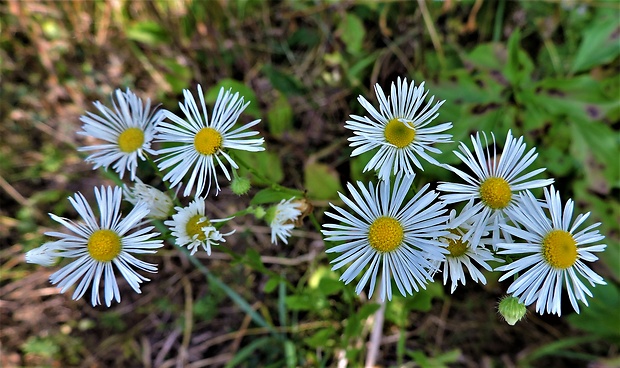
[[511, 309], [240, 185]]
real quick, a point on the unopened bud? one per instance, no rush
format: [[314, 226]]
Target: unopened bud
[[511, 309]]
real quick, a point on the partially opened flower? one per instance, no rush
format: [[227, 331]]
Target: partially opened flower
[[100, 246], [192, 228], [127, 131], [462, 255], [159, 204], [384, 234], [199, 143], [281, 218], [399, 129], [495, 180], [551, 254]]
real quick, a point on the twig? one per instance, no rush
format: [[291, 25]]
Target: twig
[[432, 32]]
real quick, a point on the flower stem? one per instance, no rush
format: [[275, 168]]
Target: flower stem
[[375, 336]]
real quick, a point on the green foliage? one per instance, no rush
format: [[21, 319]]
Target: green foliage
[[321, 181], [264, 168], [600, 317], [600, 43], [280, 116], [244, 91]]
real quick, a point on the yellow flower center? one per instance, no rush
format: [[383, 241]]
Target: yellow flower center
[[495, 193], [104, 245], [385, 234], [457, 247], [130, 140], [398, 133], [194, 227], [208, 141], [559, 249]]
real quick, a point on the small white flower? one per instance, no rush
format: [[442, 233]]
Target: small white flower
[[128, 131], [43, 255], [496, 178], [462, 255], [553, 253], [98, 245], [399, 129], [200, 143], [281, 218], [192, 228], [385, 234], [159, 204]]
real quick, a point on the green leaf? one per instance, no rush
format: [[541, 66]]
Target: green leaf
[[264, 167], [600, 44], [178, 76], [283, 82], [149, 32], [300, 302], [351, 31], [274, 195], [246, 92], [601, 317], [519, 66], [280, 116], [243, 354], [321, 181], [322, 338], [421, 301]]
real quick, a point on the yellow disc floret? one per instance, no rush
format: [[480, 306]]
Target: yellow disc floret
[[398, 133], [385, 234], [194, 227], [208, 141], [559, 249], [130, 140], [104, 245], [495, 193], [457, 247]]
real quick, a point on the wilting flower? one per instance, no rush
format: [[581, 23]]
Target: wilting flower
[[192, 228]]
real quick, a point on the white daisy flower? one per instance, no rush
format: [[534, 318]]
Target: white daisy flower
[[281, 218], [462, 255], [383, 233], [43, 255], [200, 143], [496, 177], [98, 245], [128, 131], [553, 253], [398, 129], [159, 204], [192, 228]]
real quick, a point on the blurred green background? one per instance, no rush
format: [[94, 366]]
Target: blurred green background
[[546, 70]]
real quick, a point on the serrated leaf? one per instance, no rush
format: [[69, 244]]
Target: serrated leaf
[[321, 181], [246, 92]]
